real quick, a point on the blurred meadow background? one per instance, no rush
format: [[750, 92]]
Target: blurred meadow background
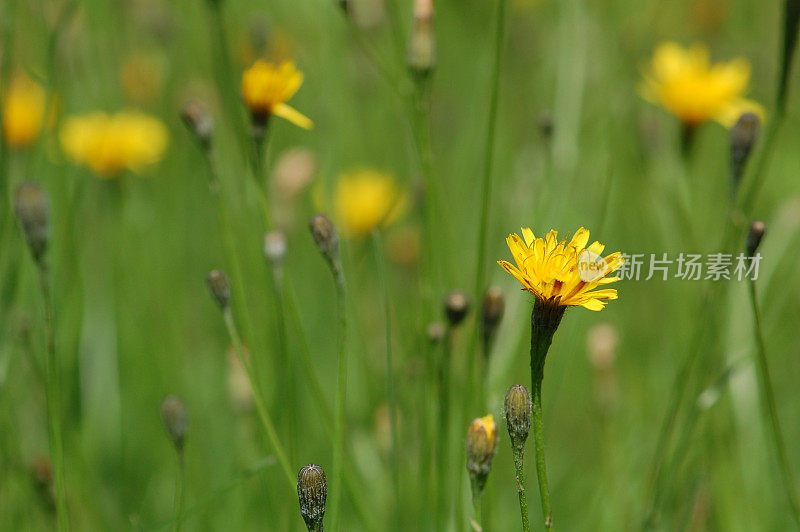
[[131, 244]]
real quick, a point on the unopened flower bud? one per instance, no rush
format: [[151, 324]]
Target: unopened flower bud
[[492, 309], [518, 415], [546, 125], [326, 238], [275, 246], [344, 5], [456, 307], [33, 212], [757, 230], [481, 447], [743, 137], [199, 122], [173, 413], [436, 332], [220, 287], [312, 490], [422, 45]]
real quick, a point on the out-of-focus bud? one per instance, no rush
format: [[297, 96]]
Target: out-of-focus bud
[[601, 344], [33, 212], [275, 246], [492, 309], [436, 332], [199, 122], [324, 233], [791, 22], [546, 125], [481, 447], [518, 416], [220, 287], [344, 5], [743, 137], [422, 45], [294, 171], [757, 231], [173, 413], [312, 491], [456, 307]]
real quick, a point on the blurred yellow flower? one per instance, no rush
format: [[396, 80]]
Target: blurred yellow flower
[[109, 144], [141, 76], [23, 111], [560, 273], [685, 83], [365, 199], [266, 89]]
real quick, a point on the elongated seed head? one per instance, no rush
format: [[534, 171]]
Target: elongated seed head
[[33, 213], [173, 414], [312, 491], [220, 287]]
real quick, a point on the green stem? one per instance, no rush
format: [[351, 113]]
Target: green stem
[[771, 410], [380, 260], [541, 467], [54, 403], [519, 467], [263, 414], [341, 399], [476, 506], [486, 188], [289, 388], [179, 493], [443, 381]]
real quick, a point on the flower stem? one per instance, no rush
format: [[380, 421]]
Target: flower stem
[[443, 381], [341, 399], [179, 492], [771, 410], [263, 414], [519, 467], [541, 467], [289, 367], [486, 188], [53, 392], [380, 260], [476, 506]]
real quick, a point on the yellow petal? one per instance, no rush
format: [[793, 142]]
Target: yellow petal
[[293, 116], [527, 234]]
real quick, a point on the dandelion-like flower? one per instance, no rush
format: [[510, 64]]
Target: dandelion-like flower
[[267, 87], [686, 83], [365, 199], [561, 273], [481, 447], [23, 111], [109, 144]]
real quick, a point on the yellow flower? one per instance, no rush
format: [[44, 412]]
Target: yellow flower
[[109, 144], [481, 447], [23, 111], [563, 273], [365, 199], [266, 89], [685, 83]]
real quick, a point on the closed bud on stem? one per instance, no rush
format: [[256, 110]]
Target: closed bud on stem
[[743, 137], [33, 213], [422, 45], [757, 230], [344, 5], [220, 287], [456, 307], [518, 416], [546, 125], [275, 247], [492, 309], [173, 414], [791, 22], [312, 490], [326, 238], [199, 122], [481, 447]]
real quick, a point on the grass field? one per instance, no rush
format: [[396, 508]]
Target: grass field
[[433, 139]]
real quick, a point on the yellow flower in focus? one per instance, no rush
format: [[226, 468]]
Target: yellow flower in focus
[[23, 111], [109, 144], [685, 83], [365, 199], [266, 89], [563, 273]]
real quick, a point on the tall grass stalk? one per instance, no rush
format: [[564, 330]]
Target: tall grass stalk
[[53, 392], [519, 468], [341, 400], [258, 399], [180, 496], [770, 408], [443, 433], [380, 263]]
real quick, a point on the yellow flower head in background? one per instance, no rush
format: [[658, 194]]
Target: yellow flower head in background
[[109, 144], [365, 199], [563, 273], [266, 89], [685, 83], [23, 111]]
